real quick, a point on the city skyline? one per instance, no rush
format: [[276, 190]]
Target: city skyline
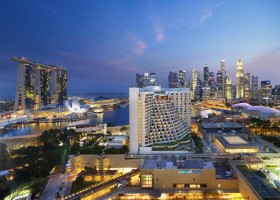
[[149, 36]]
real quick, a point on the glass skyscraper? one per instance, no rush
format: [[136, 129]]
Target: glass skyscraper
[[239, 80], [173, 80]]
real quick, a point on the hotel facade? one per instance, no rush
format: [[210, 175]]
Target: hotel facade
[[39, 84], [158, 116]]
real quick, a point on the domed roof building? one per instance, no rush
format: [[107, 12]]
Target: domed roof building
[[262, 112]]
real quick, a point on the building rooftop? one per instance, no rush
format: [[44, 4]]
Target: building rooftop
[[159, 89], [94, 172], [235, 140], [24, 60], [194, 164], [176, 163], [227, 125], [232, 142]]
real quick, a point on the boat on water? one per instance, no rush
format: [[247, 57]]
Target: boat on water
[[98, 110]]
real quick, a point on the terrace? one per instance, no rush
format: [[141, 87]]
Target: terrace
[[261, 184]]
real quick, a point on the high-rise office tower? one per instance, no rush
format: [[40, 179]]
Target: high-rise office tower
[[239, 80], [212, 84], [173, 79], [276, 93], [219, 85], [157, 116], [182, 79], [205, 74], [195, 84], [211, 75], [266, 90], [223, 66], [145, 79], [247, 94], [223, 70], [228, 88], [153, 78], [255, 87], [34, 82], [205, 92], [139, 80], [233, 91]]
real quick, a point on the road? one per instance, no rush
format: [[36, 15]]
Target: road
[[51, 188], [63, 181], [101, 186]]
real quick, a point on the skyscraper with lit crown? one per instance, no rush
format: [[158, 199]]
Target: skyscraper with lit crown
[[228, 89], [239, 80], [223, 70]]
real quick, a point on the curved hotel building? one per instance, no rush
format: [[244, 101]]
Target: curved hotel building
[[157, 116]]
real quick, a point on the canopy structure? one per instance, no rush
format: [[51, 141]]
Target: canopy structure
[[74, 106], [259, 111]]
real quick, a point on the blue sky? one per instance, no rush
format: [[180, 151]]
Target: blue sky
[[104, 43]]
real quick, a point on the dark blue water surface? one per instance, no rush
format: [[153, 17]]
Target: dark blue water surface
[[118, 116]]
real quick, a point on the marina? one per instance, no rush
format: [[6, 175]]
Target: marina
[[116, 117]]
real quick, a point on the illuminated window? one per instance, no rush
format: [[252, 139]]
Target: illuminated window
[[180, 185], [146, 180], [193, 186]]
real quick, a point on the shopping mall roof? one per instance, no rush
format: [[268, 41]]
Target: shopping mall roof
[[174, 163], [227, 125], [233, 142]]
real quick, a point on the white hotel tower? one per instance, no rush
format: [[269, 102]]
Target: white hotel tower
[[157, 116]]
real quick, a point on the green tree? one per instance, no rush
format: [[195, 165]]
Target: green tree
[[4, 189], [75, 148], [4, 157], [123, 129]]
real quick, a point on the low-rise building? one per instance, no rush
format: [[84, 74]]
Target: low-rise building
[[177, 173], [235, 144]]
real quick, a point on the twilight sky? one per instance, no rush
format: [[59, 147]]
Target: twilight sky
[[103, 43]]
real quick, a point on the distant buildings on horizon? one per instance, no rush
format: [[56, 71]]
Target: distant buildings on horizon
[[209, 86]]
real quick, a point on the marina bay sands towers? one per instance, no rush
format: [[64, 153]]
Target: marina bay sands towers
[[39, 85]]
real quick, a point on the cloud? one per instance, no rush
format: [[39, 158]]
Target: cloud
[[193, 15], [157, 27], [203, 17], [139, 45], [160, 34]]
